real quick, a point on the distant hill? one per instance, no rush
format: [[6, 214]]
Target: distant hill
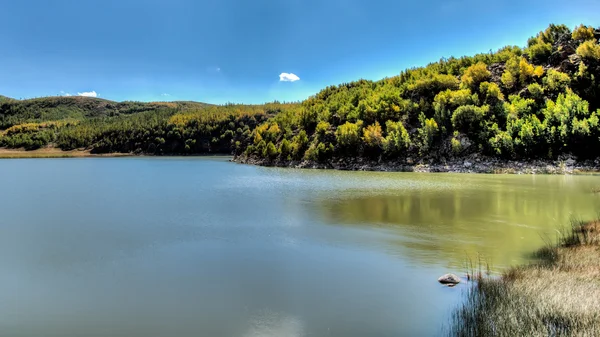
[[103, 126], [36, 110]]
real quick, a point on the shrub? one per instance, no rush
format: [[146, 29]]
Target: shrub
[[536, 90], [447, 101], [285, 148], [348, 135], [299, 143], [539, 51], [491, 93], [427, 132], [556, 81], [583, 33], [468, 118], [474, 75], [397, 139], [553, 33], [270, 151], [589, 50], [585, 126], [558, 116], [456, 145], [501, 143], [372, 135], [322, 129], [519, 71], [527, 133], [432, 84], [518, 107]]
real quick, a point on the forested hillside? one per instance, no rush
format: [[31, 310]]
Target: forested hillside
[[540, 101], [536, 102], [103, 126]]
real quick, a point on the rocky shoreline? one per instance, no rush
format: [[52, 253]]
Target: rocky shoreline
[[471, 164]]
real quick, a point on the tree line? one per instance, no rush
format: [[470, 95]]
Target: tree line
[[539, 101]]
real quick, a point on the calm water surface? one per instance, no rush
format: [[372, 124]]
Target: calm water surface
[[204, 247]]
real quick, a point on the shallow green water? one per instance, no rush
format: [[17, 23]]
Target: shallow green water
[[204, 247]]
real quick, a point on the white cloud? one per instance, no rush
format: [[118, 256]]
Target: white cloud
[[285, 77], [62, 93], [165, 94], [88, 94]]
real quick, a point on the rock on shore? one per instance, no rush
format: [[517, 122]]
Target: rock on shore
[[471, 164]]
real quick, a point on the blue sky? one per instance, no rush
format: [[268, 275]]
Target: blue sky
[[222, 51]]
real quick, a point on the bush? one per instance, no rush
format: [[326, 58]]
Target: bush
[[518, 72], [589, 50], [431, 85], [583, 33], [501, 143], [299, 143], [559, 115], [456, 146], [536, 90], [322, 128], [527, 134], [585, 126], [426, 133], [348, 135], [556, 81], [285, 148], [491, 93], [518, 107], [468, 118], [397, 139], [319, 151], [474, 75], [447, 101], [270, 151], [539, 51], [372, 136]]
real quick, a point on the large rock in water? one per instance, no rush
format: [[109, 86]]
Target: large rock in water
[[449, 279]]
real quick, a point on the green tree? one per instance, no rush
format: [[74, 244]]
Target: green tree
[[468, 118], [348, 134], [475, 75], [583, 33], [372, 136], [397, 139]]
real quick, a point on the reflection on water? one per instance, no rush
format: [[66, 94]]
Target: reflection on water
[[500, 219]]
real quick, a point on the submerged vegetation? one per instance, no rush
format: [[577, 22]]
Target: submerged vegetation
[[537, 102], [559, 296]]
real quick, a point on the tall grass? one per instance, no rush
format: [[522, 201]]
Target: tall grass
[[557, 296]]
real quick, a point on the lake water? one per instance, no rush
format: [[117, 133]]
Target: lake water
[[205, 247]]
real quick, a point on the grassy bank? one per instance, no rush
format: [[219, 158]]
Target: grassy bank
[[51, 153], [558, 296]]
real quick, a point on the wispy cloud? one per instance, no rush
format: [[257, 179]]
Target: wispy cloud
[[88, 94], [62, 93], [164, 94], [285, 77], [213, 69]]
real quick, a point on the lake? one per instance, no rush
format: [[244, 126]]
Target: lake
[[205, 247]]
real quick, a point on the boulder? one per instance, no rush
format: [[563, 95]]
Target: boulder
[[449, 279]]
